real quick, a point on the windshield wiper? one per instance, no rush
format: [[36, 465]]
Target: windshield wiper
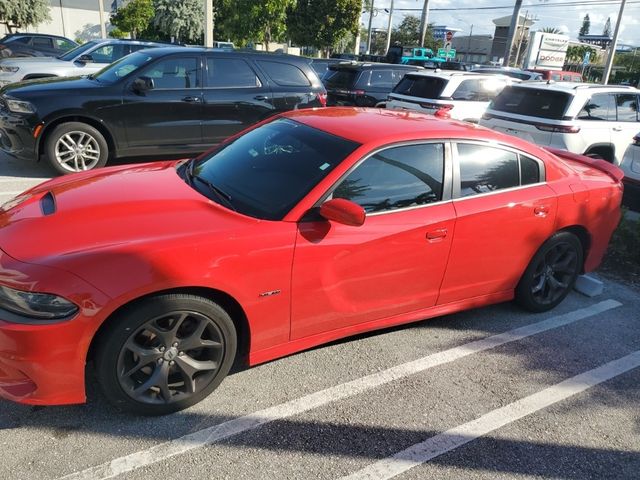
[[221, 194]]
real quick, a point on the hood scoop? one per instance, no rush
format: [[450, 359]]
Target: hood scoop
[[48, 204]]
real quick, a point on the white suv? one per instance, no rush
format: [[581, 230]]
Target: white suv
[[464, 95], [588, 119]]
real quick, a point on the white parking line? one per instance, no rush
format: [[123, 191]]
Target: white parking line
[[458, 436], [318, 399]]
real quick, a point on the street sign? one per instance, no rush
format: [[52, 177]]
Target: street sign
[[451, 53], [442, 53], [587, 57]]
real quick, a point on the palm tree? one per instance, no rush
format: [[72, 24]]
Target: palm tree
[[555, 30]]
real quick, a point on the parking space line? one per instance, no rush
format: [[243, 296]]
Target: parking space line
[[318, 399], [458, 436]]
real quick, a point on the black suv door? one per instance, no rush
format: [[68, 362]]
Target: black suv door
[[235, 96], [170, 113]]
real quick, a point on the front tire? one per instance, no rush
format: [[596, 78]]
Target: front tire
[[551, 274], [165, 354], [75, 147]]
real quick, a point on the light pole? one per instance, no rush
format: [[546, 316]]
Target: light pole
[[386, 50], [369, 29], [612, 53]]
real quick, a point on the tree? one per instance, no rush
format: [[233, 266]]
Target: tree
[[181, 20], [261, 21], [607, 28], [553, 30], [23, 13], [133, 18], [586, 25], [408, 32], [322, 23]]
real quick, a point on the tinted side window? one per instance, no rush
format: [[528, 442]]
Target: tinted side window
[[601, 106], [378, 79], [627, 106], [42, 42], [467, 90], [230, 73], [24, 40], [529, 171], [482, 90], [109, 53], [397, 177], [485, 169], [284, 74], [174, 72], [63, 44]]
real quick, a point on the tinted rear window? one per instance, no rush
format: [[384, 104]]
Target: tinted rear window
[[418, 86], [341, 78], [532, 102], [284, 74]]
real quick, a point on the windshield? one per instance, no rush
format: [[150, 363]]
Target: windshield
[[123, 67], [267, 171], [79, 50], [419, 86]]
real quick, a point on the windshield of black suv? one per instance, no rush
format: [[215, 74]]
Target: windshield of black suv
[[79, 50], [123, 67], [267, 171]]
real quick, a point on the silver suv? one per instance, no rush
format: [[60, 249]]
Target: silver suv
[[83, 60], [596, 120]]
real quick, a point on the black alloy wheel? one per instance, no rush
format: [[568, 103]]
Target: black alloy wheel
[[551, 274], [166, 354]]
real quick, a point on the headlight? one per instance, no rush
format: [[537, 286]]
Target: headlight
[[9, 69], [18, 106], [35, 305]]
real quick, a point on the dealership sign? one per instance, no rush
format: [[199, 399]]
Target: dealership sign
[[547, 50]]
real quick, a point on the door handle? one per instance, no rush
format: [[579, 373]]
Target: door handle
[[617, 129], [191, 99], [261, 98], [437, 235], [541, 211]]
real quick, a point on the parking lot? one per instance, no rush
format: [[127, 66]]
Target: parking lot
[[489, 393]]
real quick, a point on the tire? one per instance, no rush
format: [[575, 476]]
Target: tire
[[75, 147], [165, 354], [551, 274]]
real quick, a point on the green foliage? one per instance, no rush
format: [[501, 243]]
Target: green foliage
[[133, 18], [23, 13], [586, 25], [261, 21], [117, 33], [322, 23], [575, 53], [182, 20], [625, 240], [554, 30]]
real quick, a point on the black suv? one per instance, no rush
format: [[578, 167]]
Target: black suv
[[363, 84], [166, 101], [34, 45]]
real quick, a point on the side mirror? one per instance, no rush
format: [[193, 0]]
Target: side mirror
[[343, 211], [86, 58], [142, 84]]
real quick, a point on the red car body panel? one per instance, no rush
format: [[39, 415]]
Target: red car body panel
[[123, 233]]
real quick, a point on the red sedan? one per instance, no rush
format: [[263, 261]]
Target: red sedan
[[311, 226]]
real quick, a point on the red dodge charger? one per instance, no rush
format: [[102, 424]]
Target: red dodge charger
[[308, 227]]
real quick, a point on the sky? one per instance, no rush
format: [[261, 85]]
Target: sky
[[567, 18]]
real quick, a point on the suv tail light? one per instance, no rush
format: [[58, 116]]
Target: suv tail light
[[436, 106], [356, 92], [322, 98], [558, 128]]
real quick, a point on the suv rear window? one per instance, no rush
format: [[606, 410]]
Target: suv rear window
[[532, 102], [341, 78], [419, 86]]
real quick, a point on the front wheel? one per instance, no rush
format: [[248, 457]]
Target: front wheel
[[75, 147], [165, 354], [551, 274]]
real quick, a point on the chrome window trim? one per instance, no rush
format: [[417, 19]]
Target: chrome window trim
[[486, 143], [446, 184]]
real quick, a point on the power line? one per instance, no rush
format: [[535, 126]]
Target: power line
[[582, 3]]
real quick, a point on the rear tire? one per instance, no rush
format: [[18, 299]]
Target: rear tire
[[551, 274], [165, 354], [75, 147]]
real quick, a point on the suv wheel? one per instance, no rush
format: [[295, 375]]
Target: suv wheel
[[75, 147]]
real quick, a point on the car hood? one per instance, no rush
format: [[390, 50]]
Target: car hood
[[50, 84], [148, 204], [23, 61]]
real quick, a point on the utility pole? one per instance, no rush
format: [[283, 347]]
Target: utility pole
[[466, 57], [512, 32], [521, 38], [612, 53], [369, 36], [424, 22], [356, 48], [386, 50], [103, 27], [208, 23]]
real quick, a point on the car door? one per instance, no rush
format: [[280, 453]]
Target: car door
[[393, 263], [101, 56], [597, 119], [627, 123], [169, 115], [234, 97], [504, 212]]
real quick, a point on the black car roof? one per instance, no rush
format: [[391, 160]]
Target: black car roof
[[158, 52], [372, 66]]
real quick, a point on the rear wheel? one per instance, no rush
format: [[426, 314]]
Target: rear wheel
[[75, 147], [165, 354], [551, 274]]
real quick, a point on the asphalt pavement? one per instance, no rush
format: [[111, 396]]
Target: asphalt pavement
[[491, 393]]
